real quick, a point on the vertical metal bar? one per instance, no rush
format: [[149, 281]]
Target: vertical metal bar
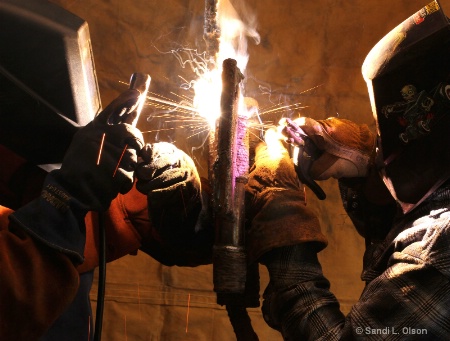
[[229, 258], [211, 31], [211, 35]]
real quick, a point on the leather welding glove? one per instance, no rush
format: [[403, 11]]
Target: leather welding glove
[[348, 149], [275, 202], [348, 154], [102, 156], [97, 166], [170, 180]]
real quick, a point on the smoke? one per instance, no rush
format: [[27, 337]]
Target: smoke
[[234, 33]]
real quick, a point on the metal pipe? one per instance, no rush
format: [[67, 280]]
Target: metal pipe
[[229, 258], [211, 36], [211, 31]]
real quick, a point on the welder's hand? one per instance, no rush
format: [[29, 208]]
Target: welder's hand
[[101, 159], [170, 180], [275, 202], [348, 148], [93, 172]]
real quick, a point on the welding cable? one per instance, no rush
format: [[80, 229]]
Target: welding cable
[[101, 278], [241, 323]]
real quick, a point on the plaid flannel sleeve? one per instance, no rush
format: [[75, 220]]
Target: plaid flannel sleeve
[[408, 299]]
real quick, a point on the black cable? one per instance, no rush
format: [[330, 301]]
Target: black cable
[[101, 278], [242, 325]]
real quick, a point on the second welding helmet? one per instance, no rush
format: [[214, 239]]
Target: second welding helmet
[[408, 77]]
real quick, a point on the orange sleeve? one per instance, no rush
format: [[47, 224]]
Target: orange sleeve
[[36, 283]]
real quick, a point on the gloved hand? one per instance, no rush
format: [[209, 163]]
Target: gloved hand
[[129, 229], [170, 180], [348, 148], [93, 172], [275, 202], [348, 154], [102, 156]]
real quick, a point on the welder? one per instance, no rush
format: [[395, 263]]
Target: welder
[[49, 222], [43, 248], [53, 238], [396, 191], [45, 239]]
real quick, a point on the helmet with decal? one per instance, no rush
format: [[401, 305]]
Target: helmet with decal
[[408, 78]]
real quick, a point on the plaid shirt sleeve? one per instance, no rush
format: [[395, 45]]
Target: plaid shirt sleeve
[[407, 296]]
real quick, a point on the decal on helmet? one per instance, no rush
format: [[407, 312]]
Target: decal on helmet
[[427, 10], [417, 110]]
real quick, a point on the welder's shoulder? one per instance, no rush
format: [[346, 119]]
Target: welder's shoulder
[[436, 240]]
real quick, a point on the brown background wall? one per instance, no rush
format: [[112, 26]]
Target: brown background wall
[[318, 45]]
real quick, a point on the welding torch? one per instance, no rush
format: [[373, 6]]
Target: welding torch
[[127, 114], [303, 152], [130, 115]]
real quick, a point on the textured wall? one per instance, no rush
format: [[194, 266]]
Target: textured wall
[[311, 53]]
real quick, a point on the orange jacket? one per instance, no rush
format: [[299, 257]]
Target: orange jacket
[[36, 283]]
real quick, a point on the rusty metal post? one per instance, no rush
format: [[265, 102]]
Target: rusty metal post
[[228, 161], [229, 258]]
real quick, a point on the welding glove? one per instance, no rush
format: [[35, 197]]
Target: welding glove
[[170, 180], [280, 223], [347, 148], [348, 154], [275, 202], [101, 159], [97, 166]]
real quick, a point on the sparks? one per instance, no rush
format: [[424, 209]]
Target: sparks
[[187, 314], [120, 159], [100, 149], [174, 105]]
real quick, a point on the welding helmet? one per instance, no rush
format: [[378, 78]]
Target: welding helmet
[[48, 85], [408, 78]]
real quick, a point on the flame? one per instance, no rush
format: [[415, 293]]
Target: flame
[[233, 44]]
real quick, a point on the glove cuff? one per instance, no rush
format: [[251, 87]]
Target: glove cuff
[[55, 219], [283, 220]]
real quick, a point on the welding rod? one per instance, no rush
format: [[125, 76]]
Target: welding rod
[[140, 82], [211, 36]]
